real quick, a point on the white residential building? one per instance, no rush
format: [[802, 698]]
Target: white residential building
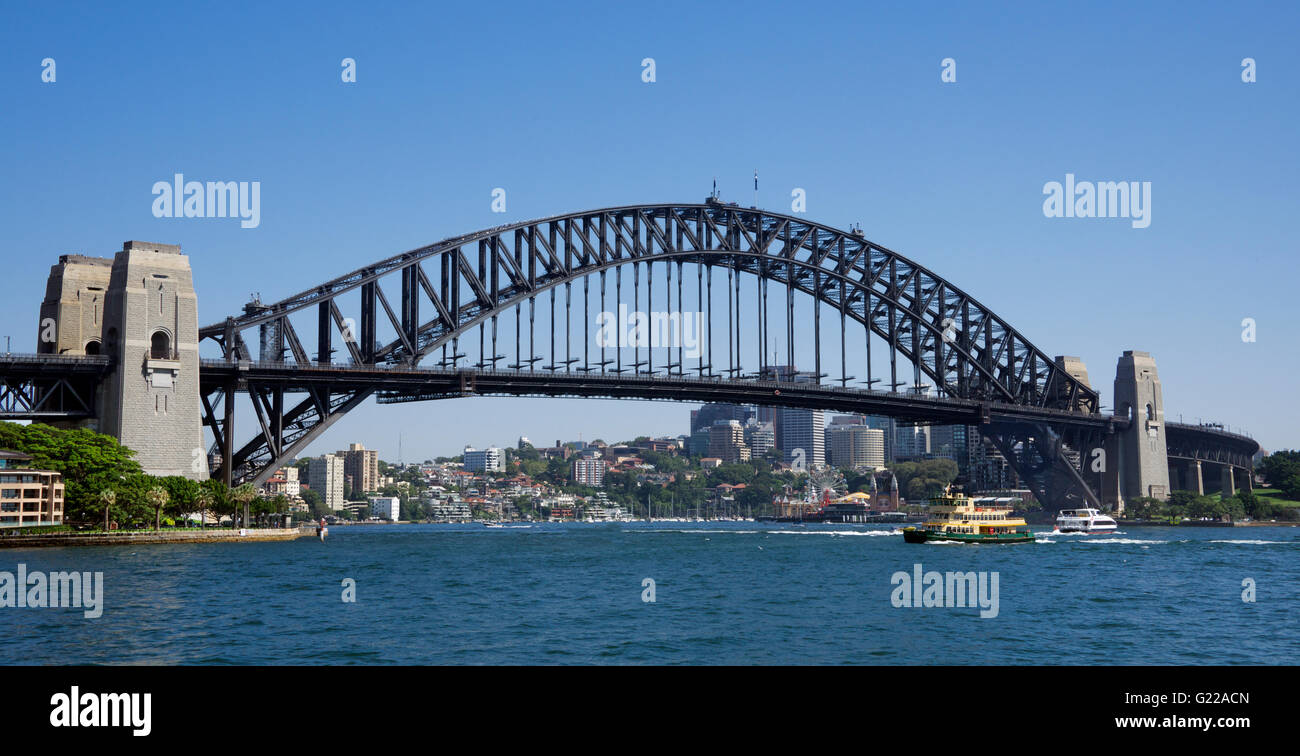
[[490, 459], [386, 507]]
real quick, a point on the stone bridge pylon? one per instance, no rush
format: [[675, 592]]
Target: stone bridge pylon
[[139, 308]]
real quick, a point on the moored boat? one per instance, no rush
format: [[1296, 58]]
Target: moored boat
[[955, 517]]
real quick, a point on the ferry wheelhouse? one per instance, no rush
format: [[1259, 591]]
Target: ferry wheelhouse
[[956, 517]]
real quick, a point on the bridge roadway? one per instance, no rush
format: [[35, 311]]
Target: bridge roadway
[[50, 387], [63, 388], [395, 384]]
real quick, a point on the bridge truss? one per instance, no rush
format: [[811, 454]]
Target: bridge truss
[[458, 303]]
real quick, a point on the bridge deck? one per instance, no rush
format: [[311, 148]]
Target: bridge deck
[[401, 384]]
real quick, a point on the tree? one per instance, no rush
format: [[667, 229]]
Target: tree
[[925, 479], [157, 497], [203, 502], [182, 494], [1281, 470], [315, 504], [242, 495], [218, 497], [90, 462], [133, 504], [1145, 508], [107, 497]]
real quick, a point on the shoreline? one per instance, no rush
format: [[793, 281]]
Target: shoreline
[[176, 536]]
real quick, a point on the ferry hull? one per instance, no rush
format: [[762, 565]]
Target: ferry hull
[[918, 535]]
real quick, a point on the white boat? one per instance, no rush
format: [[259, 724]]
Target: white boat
[[1084, 521]]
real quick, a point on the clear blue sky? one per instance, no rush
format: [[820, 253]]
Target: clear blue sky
[[842, 100]]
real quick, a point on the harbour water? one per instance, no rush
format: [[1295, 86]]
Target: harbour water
[[724, 593]]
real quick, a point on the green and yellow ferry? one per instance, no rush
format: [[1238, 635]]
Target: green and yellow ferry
[[954, 517]]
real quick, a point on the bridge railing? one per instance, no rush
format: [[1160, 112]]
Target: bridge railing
[[37, 360]]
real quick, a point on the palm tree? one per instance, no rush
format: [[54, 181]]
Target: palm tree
[[157, 497], [204, 502], [107, 497], [243, 494]]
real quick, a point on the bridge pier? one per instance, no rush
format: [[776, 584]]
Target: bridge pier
[[1228, 488], [1195, 466], [1142, 459], [140, 310]]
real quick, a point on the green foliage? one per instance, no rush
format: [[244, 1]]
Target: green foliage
[[1281, 470], [182, 494], [1189, 505], [90, 462], [925, 479]]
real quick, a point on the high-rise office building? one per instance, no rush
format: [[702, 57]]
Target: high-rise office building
[[760, 438], [855, 446], [802, 436], [911, 442], [889, 428], [706, 416], [727, 441], [698, 445]]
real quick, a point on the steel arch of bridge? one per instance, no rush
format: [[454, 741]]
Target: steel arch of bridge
[[945, 334]]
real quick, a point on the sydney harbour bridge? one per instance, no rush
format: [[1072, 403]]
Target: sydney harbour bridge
[[512, 310]]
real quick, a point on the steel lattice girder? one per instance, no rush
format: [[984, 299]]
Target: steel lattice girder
[[966, 349], [1052, 459], [1199, 442], [902, 302], [49, 387]]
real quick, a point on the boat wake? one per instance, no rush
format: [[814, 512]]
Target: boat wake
[[1255, 542], [895, 532]]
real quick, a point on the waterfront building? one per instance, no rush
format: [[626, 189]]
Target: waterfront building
[[386, 507], [490, 459], [449, 511], [28, 497], [325, 477], [362, 466], [284, 482]]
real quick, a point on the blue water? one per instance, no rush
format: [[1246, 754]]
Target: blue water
[[733, 593]]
